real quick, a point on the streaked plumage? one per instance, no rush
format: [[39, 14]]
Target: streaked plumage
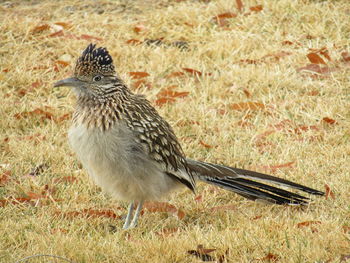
[[133, 153]]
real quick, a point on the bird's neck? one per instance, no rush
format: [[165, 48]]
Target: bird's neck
[[102, 110]]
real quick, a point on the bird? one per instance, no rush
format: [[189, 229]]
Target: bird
[[133, 154]]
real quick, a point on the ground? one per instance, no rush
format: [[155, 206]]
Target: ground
[[262, 86]]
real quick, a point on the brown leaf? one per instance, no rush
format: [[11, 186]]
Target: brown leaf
[[315, 68], [64, 117], [329, 192], [165, 232], [278, 55], [64, 25], [88, 37], [262, 136], [41, 28], [278, 166], [62, 63], [138, 75], [163, 207], [57, 34], [303, 128], [239, 5], [175, 74], [346, 229], [308, 223], [193, 71], [345, 56], [256, 8], [313, 93], [198, 198], [140, 28], [40, 112], [315, 59], [250, 105], [5, 177], [226, 15], [134, 42], [161, 101], [205, 145], [270, 257], [247, 93], [287, 42], [90, 213], [65, 179], [329, 120], [138, 84], [250, 61]]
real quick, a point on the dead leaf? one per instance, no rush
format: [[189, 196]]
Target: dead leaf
[[88, 37], [57, 34], [256, 8], [140, 28], [163, 207], [278, 55], [247, 93], [329, 120], [134, 42], [205, 145], [329, 192], [65, 179], [250, 105], [165, 232], [89, 213], [198, 198], [221, 19], [308, 223], [270, 257], [315, 59], [278, 166], [41, 28], [64, 25], [346, 229], [345, 56], [315, 68], [239, 5], [40, 112], [313, 93], [141, 83], [250, 61], [303, 128], [138, 75], [175, 74], [4, 178], [193, 71]]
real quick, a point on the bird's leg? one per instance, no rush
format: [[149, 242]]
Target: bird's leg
[[136, 216], [128, 217]]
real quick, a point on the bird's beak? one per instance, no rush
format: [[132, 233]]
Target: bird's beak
[[70, 82]]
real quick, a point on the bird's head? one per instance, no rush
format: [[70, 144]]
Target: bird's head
[[94, 73]]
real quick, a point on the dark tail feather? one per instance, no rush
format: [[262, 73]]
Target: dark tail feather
[[250, 184]]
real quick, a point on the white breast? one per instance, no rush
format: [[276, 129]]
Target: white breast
[[118, 164]]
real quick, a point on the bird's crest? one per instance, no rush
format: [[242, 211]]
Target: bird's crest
[[94, 61]]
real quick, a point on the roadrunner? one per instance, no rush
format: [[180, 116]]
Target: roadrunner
[[132, 153]]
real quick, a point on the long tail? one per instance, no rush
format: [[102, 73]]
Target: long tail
[[249, 184]]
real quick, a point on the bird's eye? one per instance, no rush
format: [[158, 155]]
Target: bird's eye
[[97, 78]]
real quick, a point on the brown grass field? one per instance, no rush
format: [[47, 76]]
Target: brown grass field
[[270, 93]]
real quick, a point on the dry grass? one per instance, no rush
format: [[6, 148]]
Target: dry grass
[[251, 230]]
